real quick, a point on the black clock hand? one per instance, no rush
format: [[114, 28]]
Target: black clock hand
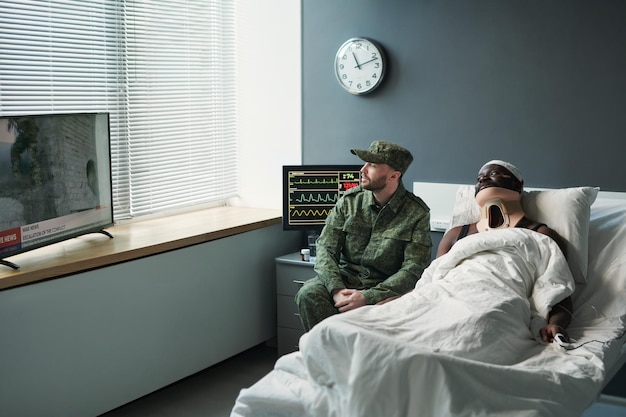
[[367, 62], [356, 60]]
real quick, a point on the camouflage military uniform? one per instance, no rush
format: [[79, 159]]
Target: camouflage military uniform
[[380, 250]]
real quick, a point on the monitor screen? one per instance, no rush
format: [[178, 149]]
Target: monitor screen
[[55, 179], [311, 191]]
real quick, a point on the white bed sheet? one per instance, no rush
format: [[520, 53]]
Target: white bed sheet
[[600, 305], [414, 357]]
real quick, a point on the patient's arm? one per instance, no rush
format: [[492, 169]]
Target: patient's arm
[[449, 239], [561, 314], [558, 320], [556, 237]]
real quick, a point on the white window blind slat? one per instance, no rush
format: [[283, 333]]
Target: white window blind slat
[[169, 101], [165, 72]]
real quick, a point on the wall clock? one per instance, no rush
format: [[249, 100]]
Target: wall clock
[[359, 65]]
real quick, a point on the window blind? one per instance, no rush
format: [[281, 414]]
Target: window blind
[[164, 70], [179, 58]]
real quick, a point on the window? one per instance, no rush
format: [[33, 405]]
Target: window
[[164, 70]]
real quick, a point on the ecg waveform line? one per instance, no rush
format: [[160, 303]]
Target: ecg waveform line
[[314, 181], [302, 214], [328, 198]]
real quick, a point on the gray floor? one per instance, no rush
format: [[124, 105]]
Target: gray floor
[[605, 409], [212, 392]]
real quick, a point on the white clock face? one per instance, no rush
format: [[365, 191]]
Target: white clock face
[[359, 66]]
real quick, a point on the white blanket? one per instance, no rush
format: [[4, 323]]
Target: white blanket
[[464, 342]]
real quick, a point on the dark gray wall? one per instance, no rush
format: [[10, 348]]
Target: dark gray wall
[[541, 84]]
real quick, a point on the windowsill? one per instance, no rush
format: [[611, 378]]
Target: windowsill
[[133, 241]]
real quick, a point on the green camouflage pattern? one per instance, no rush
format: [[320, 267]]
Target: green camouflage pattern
[[381, 152], [381, 251]]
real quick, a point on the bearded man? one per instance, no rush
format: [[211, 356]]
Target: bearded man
[[375, 243]]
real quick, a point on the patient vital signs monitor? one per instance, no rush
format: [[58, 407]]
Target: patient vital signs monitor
[[311, 191]]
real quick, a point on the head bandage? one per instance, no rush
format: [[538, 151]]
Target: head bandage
[[512, 168]]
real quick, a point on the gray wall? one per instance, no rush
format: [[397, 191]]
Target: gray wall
[[539, 83]]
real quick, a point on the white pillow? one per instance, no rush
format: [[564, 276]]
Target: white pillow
[[564, 210]]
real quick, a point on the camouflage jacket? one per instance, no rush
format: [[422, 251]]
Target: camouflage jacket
[[383, 251]]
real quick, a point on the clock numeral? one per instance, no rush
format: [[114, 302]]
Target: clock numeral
[[374, 75], [341, 66]]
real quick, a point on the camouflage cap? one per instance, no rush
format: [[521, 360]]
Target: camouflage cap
[[381, 152]]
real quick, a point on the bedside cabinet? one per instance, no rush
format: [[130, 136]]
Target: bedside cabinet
[[291, 273]]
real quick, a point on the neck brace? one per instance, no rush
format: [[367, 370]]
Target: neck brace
[[500, 208], [498, 214]]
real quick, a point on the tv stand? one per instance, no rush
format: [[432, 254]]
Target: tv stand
[[9, 264], [15, 266], [104, 232]]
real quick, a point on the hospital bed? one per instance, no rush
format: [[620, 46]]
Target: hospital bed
[[430, 353]]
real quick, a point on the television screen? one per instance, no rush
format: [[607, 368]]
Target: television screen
[[55, 179], [311, 191]]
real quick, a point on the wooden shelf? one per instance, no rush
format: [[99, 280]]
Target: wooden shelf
[[133, 240]]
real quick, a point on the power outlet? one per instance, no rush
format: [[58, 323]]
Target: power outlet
[[439, 225]]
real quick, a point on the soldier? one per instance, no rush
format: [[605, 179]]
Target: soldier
[[375, 243]]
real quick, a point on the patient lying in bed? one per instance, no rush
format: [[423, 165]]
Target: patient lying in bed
[[470, 339], [498, 192]]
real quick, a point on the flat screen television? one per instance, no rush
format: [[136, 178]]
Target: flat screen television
[[311, 191], [55, 179]]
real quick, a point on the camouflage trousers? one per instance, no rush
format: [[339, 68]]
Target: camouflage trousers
[[315, 302]]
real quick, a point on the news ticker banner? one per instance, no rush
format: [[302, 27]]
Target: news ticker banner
[[54, 229]]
